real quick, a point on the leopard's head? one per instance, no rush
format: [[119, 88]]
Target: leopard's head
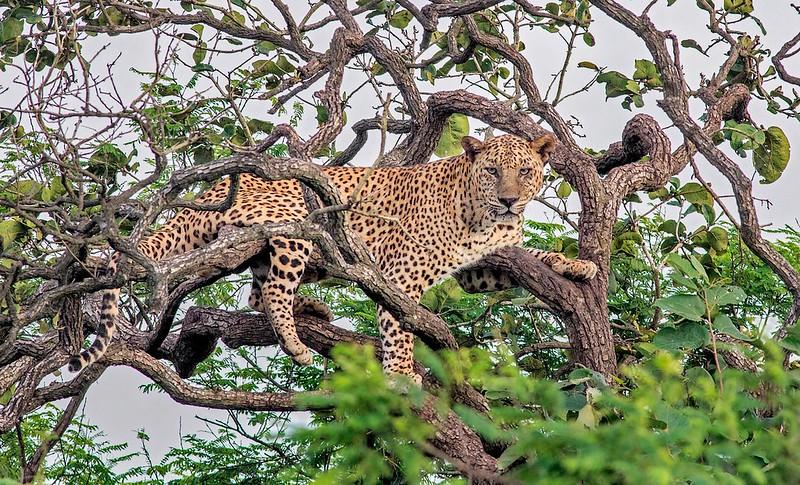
[[506, 173]]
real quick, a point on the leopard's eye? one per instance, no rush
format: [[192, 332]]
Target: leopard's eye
[[525, 171], [491, 171]]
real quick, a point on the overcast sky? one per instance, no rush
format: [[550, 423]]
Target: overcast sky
[[115, 403]]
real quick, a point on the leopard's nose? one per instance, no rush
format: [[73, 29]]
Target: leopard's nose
[[508, 201]]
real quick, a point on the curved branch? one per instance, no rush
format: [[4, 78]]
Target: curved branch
[[361, 128], [343, 44], [781, 55], [641, 136]]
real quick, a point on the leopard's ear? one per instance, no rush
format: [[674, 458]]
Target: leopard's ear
[[545, 145], [472, 146]]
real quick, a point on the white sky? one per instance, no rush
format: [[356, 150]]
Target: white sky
[[115, 402]]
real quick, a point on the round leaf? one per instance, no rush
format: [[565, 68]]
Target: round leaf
[[401, 19], [564, 189], [10, 230], [10, 28], [686, 336], [690, 307], [696, 194], [771, 158], [724, 324], [455, 129]]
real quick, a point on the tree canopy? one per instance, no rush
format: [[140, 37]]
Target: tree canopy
[[675, 364]]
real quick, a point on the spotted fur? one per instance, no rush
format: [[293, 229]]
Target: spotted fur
[[420, 223]]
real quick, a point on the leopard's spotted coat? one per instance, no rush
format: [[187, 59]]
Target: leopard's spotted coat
[[452, 212]]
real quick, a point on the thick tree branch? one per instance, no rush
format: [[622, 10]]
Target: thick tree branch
[[675, 104]]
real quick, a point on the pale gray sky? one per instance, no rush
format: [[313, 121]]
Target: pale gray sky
[[115, 402]]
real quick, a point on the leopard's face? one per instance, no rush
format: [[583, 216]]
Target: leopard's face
[[506, 173]]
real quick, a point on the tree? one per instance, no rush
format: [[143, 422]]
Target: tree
[[687, 294]]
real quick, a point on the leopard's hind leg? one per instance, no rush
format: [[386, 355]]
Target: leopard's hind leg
[[275, 283]]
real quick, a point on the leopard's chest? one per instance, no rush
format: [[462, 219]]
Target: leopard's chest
[[435, 265]]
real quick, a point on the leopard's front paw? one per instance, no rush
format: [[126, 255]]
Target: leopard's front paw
[[576, 269], [304, 358], [300, 354]]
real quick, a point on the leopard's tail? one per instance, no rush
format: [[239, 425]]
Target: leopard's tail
[[109, 310], [172, 238]]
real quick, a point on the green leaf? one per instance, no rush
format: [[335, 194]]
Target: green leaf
[[681, 280], [698, 267], [106, 160], [676, 421], [687, 306], [10, 28], [771, 158], [480, 423], [199, 54], [401, 19], [673, 227], [660, 193], [683, 265], [743, 136], [588, 416], [203, 154], [718, 239], [724, 295], [687, 336], [284, 64], [564, 189], [256, 125], [265, 47], [700, 382], [588, 65], [696, 194], [202, 68], [322, 114], [744, 7], [510, 455], [724, 324], [7, 118], [26, 188], [589, 39], [10, 230], [692, 44], [455, 129], [228, 130], [616, 83], [792, 340], [233, 18], [647, 72]]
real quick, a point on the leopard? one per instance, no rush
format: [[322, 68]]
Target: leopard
[[420, 224]]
